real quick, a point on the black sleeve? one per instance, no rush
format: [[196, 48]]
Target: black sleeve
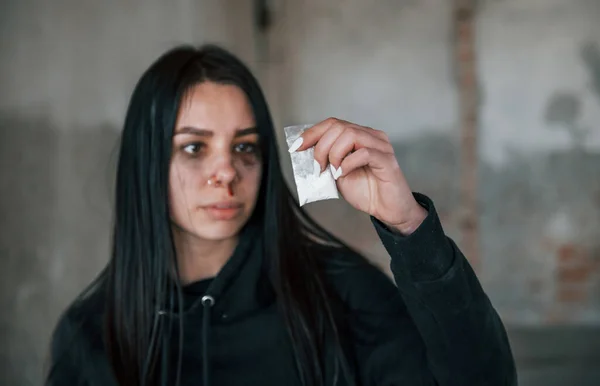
[[77, 355], [64, 367], [464, 341]]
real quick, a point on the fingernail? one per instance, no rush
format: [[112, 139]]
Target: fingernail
[[297, 143], [317, 169], [338, 173], [333, 171]]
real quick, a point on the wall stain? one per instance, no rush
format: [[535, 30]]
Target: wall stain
[[563, 109]]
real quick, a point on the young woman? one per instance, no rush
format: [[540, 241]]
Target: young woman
[[217, 277]]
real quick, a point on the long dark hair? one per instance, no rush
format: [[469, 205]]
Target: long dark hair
[[136, 280]]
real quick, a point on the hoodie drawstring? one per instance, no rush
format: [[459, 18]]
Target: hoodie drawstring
[[207, 302]]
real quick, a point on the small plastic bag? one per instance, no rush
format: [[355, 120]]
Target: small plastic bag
[[311, 184]]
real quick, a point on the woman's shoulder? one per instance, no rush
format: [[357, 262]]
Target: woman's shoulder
[[77, 353], [80, 324], [360, 284]]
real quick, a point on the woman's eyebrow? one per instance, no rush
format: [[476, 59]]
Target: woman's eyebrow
[[248, 131], [208, 133]]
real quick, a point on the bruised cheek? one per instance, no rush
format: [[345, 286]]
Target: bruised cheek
[[247, 160], [251, 177]]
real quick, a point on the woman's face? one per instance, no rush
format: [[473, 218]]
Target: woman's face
[[216, 167]]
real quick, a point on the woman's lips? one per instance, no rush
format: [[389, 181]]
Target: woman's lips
[[223, 210]]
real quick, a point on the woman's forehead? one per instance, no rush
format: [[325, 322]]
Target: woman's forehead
[[216, 107]]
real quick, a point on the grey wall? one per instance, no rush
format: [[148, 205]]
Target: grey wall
[[540, 149], [68, 68]]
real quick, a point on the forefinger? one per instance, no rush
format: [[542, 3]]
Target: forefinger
[[312, 135]]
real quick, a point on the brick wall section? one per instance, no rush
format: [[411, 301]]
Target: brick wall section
[[575, 281], [465, 59], [576, 269]]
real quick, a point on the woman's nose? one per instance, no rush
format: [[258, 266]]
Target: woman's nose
[[224, 171]]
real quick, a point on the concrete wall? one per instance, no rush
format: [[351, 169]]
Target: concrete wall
[[68, 68], [540, 155]]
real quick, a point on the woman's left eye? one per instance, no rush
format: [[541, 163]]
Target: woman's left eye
[[245, 148]]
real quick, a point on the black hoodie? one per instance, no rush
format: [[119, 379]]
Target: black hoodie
[[436, 326]]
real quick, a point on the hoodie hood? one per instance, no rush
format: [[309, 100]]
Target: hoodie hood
[[241, 286]]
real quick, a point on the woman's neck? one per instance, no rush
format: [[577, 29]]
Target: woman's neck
[[201, 259]]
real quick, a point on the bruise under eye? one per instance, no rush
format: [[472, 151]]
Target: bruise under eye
[[247, 152]]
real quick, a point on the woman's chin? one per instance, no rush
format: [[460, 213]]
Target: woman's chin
[[210, 229], [218, 232]]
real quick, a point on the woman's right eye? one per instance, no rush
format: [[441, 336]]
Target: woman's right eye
[[192, 148]]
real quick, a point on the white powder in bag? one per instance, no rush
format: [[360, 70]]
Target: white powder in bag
[[311, 185]]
